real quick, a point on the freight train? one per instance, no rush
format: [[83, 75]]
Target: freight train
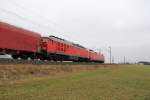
[[24, 44]]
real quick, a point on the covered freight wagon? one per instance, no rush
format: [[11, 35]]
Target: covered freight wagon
[[18, 42]]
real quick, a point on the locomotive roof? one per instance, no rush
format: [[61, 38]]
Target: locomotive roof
[[65, 41], [78, 45], [59, 40]]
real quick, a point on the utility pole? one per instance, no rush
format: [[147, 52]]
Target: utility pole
[[99, 51], [110, 53], [124, 59], [113, 59]]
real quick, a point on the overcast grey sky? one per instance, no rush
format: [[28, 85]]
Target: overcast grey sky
[[122, 24]]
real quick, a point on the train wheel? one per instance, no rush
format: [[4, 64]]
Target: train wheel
[[32, 57], [15, 56], [24, 57], [42, 58]]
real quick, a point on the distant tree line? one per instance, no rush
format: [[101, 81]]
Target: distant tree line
[[144, 62]]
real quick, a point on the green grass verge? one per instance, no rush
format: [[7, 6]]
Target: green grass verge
[[108, 83]]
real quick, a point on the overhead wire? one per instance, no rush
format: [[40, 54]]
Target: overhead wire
[[24, 18], [59, 27]]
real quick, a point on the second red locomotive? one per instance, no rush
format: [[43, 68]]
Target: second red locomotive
[[21, 43]]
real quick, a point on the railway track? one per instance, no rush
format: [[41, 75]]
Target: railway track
[[39, 62]]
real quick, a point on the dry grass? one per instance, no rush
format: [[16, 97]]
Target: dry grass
[[20, 71]]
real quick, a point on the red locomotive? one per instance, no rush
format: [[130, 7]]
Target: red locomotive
[[21, 43]]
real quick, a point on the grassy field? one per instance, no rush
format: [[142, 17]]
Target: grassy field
[[129, 82]]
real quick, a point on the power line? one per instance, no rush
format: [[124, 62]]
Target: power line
[[35, 13], [23, 18]]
